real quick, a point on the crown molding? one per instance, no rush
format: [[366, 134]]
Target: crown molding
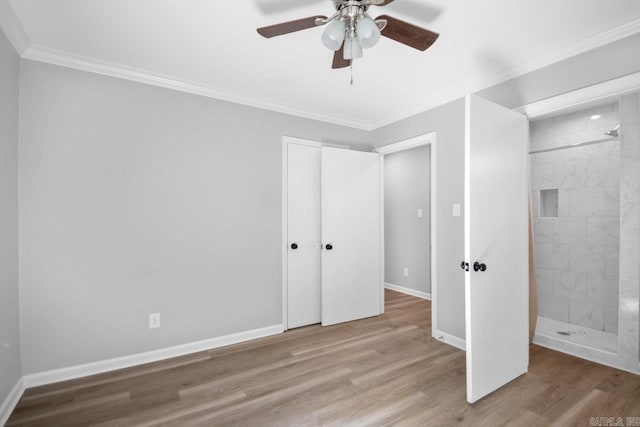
[[568, 51], [15, 32], [64, 59], [13, 28]]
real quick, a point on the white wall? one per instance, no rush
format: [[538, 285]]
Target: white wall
[[407, 238], [10, 366], [137, 199]]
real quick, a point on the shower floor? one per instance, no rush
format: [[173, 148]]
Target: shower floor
[[579, 335]]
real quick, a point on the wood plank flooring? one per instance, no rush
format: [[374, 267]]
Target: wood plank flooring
[[385, 370]]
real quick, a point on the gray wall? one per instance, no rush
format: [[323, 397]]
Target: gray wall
[[137, 199], [607, 62], [595, 66], [448, 122], [10, 367], [407, 238]]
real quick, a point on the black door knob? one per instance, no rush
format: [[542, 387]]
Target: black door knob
[[328, 246], [464, 266], [479, 267], [294, 246]]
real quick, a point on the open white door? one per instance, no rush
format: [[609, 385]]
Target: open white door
[[496, 241], [351, 281]]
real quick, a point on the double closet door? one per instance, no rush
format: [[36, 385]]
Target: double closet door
[[333, 234]]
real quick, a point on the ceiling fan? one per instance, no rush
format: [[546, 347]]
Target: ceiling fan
[[350, 29]]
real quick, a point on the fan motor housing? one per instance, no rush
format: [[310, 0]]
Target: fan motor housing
[[354, 7]]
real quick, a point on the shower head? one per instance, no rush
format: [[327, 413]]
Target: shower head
[[614, 133]]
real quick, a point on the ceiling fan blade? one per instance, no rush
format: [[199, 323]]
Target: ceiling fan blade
[[380, 2], [289, 27], [338, 59], [409, 34]]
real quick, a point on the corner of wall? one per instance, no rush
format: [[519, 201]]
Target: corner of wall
[[11, 401], [11, 331]]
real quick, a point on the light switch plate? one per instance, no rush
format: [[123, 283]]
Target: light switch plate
[[419, 213], [456, 209], [154, 320]]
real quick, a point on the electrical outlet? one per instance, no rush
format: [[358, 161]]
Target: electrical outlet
[[456, 209], [154, 320], [406, 272]]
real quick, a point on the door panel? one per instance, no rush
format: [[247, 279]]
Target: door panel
[[303, 212], [350, 189], [496, 234]]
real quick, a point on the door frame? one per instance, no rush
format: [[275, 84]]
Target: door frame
[[286, 140], [579, 99], [395, 147]]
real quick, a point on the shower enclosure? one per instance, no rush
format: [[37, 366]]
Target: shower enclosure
[[575, 165]]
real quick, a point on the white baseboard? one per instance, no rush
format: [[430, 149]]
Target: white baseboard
[[78, 371], [10, 402], [413, 292], [450, 339]]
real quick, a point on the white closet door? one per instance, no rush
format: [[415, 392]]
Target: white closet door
[[496, 247], [303, 235], [351, 282]]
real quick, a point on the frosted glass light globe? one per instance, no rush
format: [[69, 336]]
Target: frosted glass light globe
[[367, 31], [352, 48], [333, 35]]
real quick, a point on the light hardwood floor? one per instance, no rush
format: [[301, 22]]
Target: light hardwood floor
[[385, 370]]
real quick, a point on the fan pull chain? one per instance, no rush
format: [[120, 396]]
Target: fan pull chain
[[351, 68]]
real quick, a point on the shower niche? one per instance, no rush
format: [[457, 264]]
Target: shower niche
[[575, 194], [549, 203]]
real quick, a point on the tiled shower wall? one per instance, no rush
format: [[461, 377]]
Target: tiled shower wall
[[629, 337], [577, 251]]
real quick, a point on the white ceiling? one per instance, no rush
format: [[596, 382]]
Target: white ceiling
[[211, 47]]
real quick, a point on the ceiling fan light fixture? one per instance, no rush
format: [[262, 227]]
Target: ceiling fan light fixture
[[352, 48], [351, 29], [333, 35], [367, 31]]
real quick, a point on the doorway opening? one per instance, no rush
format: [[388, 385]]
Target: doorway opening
[[575, 193], [583, 288], [407, 227], [409, 186]]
